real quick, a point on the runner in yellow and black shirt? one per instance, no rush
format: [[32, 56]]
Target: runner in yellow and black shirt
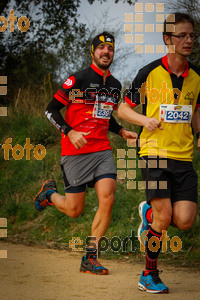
[[169, 90], [158, 89]]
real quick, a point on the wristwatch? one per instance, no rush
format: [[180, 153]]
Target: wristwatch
[[65, 129]]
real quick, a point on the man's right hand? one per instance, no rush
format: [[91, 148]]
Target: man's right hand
[[151, 124], [77, 138]]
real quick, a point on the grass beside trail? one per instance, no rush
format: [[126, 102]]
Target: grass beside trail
[[21, 179]]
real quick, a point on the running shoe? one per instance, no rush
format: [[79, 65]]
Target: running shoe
[[144, 225], [152, 283], [40, 200], [90, 264]]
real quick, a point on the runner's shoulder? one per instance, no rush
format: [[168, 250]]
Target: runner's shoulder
[[81, 75], [147, 69], [76, 80], [115, 82], [194, 68]]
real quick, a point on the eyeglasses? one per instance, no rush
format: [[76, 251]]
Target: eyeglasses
[[184, 37]]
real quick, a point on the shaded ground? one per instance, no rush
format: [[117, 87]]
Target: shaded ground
[[43, 274]]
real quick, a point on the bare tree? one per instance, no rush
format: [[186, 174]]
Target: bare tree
[[81, 58]]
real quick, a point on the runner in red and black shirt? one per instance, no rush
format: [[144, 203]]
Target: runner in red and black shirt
[[90, 96], [90, 102]]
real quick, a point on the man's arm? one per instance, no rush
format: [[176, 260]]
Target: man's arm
[[196, 125], [54, 115], [118, 129], [126, 113], [114, 126]]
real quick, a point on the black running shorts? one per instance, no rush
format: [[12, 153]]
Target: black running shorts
[[169, 178]]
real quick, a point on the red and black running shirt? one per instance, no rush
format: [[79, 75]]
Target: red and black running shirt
[[82, 94]]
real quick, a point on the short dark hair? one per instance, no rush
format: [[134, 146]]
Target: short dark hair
[[179, 18]]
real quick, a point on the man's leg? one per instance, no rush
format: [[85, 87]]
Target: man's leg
[[184, 213], [72, 204], [162, 212], [105, 189]]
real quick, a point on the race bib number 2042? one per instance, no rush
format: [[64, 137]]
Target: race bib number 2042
[[175, 113]]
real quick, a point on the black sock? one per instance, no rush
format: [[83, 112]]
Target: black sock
[[90, 252], [152, 249], [48, 195]]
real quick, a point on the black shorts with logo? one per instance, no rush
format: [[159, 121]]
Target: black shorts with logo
[[169, 178]]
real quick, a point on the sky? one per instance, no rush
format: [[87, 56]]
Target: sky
[[122, 17]]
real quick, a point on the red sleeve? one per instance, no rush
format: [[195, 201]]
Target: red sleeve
[[62, 97], [127, 100], [198, 102]]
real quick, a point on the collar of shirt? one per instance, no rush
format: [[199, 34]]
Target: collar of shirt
[[97, 70], [165, 64]]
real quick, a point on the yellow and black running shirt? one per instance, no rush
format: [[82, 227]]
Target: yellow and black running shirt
[[155, 86]]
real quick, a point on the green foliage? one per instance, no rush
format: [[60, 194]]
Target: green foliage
[[22, 179], [23, 126], [29, 56], [56, 44]]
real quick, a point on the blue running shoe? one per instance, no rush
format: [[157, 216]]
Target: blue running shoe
[[144, 225], [40, 200], [152, 283], [90, 265]]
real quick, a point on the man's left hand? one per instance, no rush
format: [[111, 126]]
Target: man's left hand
[[127, 134]]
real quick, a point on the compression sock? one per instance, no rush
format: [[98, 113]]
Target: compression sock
[[152, 250]]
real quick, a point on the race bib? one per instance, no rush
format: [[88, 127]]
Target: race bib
[[175, 113], [102, 110]]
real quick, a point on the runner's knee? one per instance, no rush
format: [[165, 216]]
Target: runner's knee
[[162, 215], [184, 223], [106, 203], [75, 212], [162, 219]]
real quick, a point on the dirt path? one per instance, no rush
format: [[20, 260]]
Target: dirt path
[[33, 273]]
